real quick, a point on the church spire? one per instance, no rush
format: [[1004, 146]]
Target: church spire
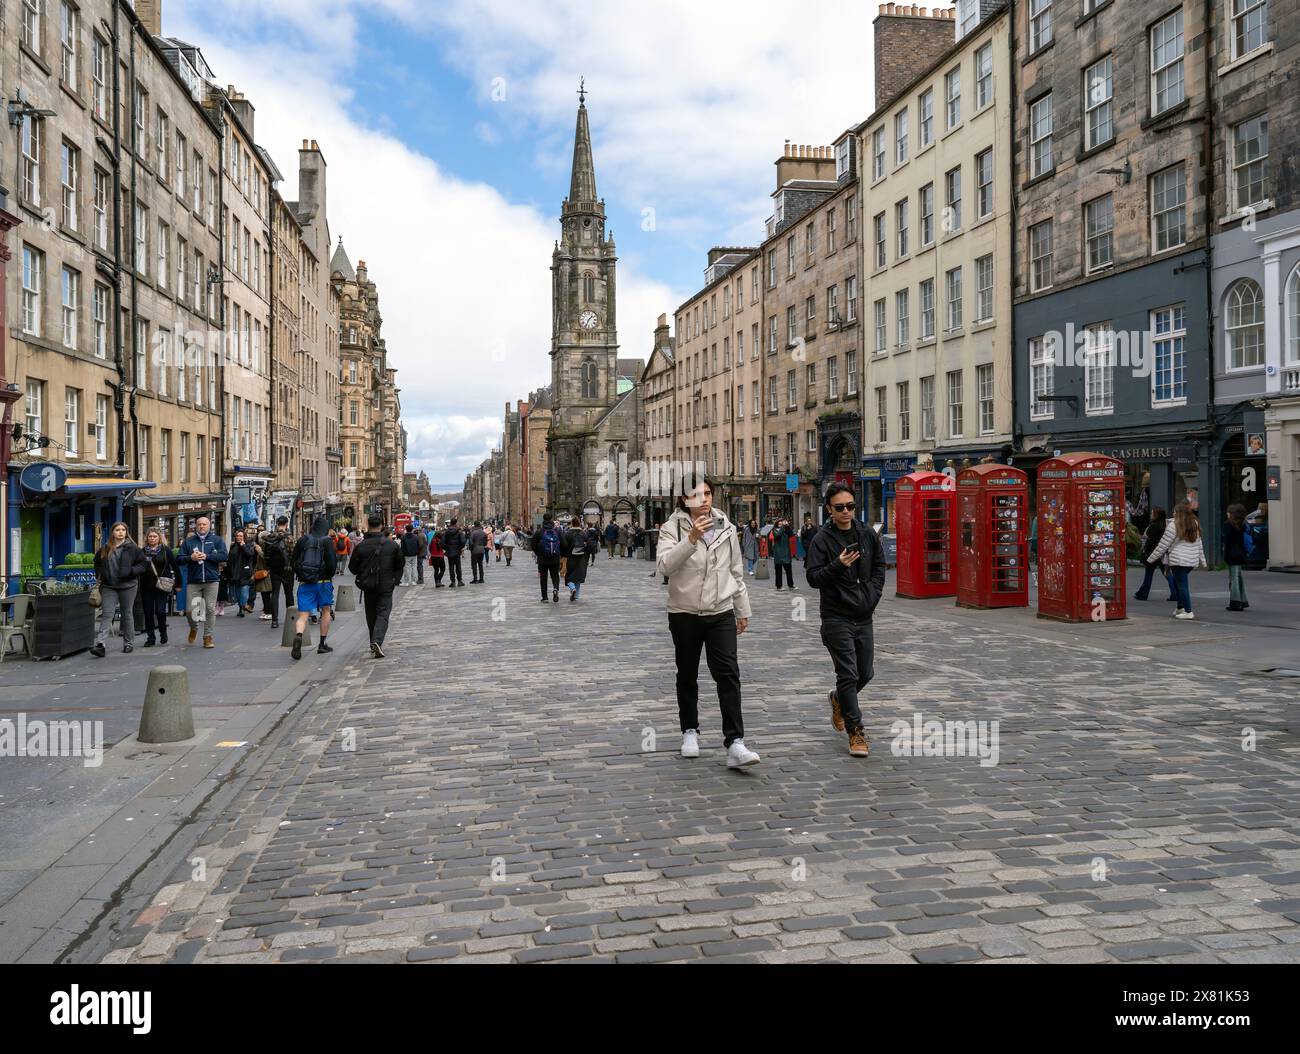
[[582, 186]]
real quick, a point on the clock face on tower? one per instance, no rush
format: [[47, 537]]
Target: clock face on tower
[[588, 320]]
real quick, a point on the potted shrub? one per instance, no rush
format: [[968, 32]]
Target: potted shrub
[[63, 622]]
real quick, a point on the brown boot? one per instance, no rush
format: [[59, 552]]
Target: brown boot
[[207, 641], [837, 719], [194, 634], [858, 745]]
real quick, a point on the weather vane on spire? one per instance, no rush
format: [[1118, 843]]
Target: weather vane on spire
[[582, 91]]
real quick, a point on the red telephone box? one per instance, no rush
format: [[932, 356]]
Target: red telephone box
[[992, 537], [1081, 552], [926, 525]]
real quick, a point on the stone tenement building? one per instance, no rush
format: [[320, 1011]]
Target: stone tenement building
[[658, 386], [1111, 170], [320, 454], [372, 439], [595, 401], [936, 260], [113, 333], [1255, 240]]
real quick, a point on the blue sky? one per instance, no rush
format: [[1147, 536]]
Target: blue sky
[[448, 129]]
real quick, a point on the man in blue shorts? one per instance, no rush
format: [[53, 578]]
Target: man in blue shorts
[[314, 563]]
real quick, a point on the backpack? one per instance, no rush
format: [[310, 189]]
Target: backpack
[[578, 544], [371, 576], [312, 562], [550, 543]]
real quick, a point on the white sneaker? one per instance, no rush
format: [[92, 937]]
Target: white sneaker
[[1177, 612], [691, 744], [1185, 614], [740, 756]]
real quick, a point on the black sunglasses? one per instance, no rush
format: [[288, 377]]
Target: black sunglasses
[[846, 507]]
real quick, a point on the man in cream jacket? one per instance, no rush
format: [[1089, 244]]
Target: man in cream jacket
[[708, 608]]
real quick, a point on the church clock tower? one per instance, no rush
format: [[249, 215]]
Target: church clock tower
[[584, 337]]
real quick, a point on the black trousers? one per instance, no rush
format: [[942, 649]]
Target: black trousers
[[716, 635], [553, 570], [454, 574], [419, 570], [852, 647], [439, 569], [379, 605], [476, 567], [271, 598], [789, 574], [154, 602]]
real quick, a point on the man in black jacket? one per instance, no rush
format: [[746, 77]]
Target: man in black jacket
[[453, 544], [846, 562], [378, 564], [477, 548], [411, 552]]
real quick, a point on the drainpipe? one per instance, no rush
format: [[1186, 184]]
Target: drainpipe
[[135, 235], [119, 392]]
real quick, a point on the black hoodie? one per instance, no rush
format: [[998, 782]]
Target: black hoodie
[[847, 592]]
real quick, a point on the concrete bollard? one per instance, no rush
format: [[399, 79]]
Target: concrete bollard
[[289, 630], [167, 716], [345, 597], [761, 571]]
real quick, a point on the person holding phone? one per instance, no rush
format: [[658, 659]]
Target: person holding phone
[[708, 608], [846, 563]]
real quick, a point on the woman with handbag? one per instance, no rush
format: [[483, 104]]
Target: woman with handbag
[[157, 584], [1152, 537], [262, 581], [239, 571], [118, 567]]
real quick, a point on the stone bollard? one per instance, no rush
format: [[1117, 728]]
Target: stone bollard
[[345, 597], [761, 571], [289, 630], [167, 716]]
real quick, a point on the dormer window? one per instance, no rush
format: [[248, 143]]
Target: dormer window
[[843, 157]]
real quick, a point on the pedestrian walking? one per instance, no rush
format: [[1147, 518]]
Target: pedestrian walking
[[453, 544], [546, 550], [262, 584], [611, 537], [749, 547], [845, 562], [1182, 544], [119, 563], [277, 548], [203, 554], [158, 584], [1237, 547], [410, 553], [477, 547], [592, 531], [708, 608], [490, 547], [239, 571], [652, 543], [573, 558], [437, 558], [622, 540], [806, 533], [508, 541], [422, 540], [314, 563], [779, 540], [1150, 539], [378, 564]]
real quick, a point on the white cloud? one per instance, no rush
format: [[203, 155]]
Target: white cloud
[[689, 105]]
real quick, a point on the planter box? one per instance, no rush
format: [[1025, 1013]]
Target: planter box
[[63, 623]]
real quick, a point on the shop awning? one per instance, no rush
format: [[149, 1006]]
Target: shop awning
[[104, 485]]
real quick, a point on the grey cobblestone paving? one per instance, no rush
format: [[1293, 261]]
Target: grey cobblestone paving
[[501, 804]]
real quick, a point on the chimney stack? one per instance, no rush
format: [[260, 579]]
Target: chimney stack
[[149, 12], [907, 42]]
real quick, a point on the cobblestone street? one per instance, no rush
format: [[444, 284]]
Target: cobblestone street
[[516, 794]]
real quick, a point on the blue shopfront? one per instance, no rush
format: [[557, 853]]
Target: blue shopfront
[[879, 475], [57, 519]]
